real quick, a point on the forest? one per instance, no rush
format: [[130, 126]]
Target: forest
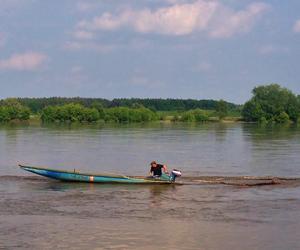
[[269, 104], [37, 104]]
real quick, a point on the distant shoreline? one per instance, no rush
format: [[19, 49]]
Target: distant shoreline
[[35, 120], [270, 104]]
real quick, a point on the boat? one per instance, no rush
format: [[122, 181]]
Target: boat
[[76, 176]]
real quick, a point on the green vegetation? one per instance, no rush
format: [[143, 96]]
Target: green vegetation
[[11, 109], [272, 104], [221, 109], [38, 104], [69, 113], [196, 115], [170, 104], [77, 113], [60, 109], [269, 104], [124, 114]]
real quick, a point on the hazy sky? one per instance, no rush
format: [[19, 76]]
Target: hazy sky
[[148, 48]]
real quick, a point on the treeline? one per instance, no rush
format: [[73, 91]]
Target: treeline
[[122, 114], [171, 104], [37, 104], [78, 113], [12, 109], [269, 104], [272, 104]]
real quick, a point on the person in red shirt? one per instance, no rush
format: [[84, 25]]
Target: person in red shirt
[[156, 169]]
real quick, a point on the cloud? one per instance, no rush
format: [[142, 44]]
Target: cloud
[[180, 19], [230, 22], [25, 61], [296, 27], [101, 48], [107, 21], [83, 35]]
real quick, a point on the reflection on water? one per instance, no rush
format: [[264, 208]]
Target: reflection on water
[[208, 149], [36, 213], [40, 214]]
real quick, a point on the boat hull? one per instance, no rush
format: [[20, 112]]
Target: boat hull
[[94, 178]]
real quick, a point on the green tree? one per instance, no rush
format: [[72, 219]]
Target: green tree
[[252, 111], [90, 115], [37, 104], [24, 113], [272, 103], [4, 114], [99, 107], [282, 118], [221, 109], [49, 114], [69, 113], [11, 109]]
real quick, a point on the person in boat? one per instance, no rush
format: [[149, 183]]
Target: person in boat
[[156, 169]]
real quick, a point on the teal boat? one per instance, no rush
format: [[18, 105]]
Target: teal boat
[[76, 176]]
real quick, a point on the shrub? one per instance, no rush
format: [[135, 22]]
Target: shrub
[[200, 115], [221, 109], [11, 109], [282, 118], [188, 117], [76, 112], [274, 103], [69, 113], [4, 114], [124, 114], [195, 115]]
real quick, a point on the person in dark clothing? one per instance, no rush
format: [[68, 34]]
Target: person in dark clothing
[[156, 169]]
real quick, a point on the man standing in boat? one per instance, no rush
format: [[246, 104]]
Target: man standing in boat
[[156, 169]]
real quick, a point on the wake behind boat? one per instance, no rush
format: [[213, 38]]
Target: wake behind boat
[[75, 176]]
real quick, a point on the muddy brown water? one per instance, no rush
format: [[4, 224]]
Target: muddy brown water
[[241, 187]]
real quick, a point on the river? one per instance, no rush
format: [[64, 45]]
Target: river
[[37, 213]]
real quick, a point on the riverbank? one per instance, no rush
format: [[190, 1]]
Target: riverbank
[[36, 120]]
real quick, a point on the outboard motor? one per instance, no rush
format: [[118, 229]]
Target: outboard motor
[[174, 174]]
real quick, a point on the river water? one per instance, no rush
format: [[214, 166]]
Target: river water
[[205, 213]]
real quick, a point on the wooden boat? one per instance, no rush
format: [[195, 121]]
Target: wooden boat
[[75, 176]]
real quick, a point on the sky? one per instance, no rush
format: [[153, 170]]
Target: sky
[[200, 49]]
